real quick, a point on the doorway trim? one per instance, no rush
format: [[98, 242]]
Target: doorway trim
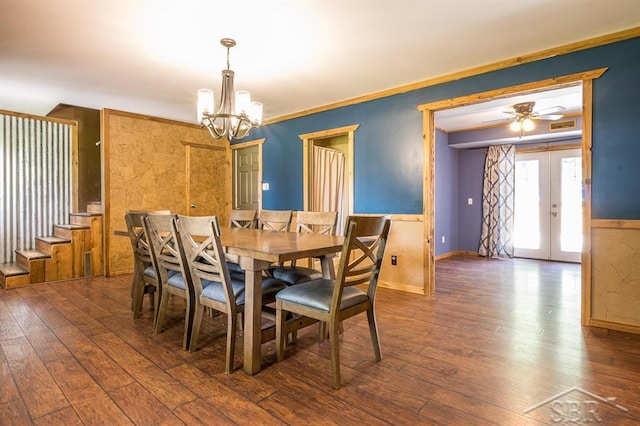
[[428, 147], [307, 142]]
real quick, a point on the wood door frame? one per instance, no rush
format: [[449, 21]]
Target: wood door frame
[[428, 147], [237, 146], [188, 146], [307, 142]]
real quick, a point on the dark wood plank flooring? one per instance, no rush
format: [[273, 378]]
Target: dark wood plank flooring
[[499, 338]]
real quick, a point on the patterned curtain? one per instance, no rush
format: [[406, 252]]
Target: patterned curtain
[[496, 239]]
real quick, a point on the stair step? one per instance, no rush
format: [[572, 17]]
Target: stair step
[[32, 254], [35, 262], [12, 269], [72, 226], [66, 231], [94, 207], [82, 218], [54, 239], [47, 244]]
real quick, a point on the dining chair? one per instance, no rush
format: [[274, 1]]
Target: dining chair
[[199, 238], [333, 301], [275, 220], [307, 223], [145, 274], [174, 278], [243, 218]]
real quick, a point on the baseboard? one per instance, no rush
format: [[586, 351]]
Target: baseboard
[[120, 272], [627, 328], [401, 287], [455, 253]]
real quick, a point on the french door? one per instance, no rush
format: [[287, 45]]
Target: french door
[[548, 205]]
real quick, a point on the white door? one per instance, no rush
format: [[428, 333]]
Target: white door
[[548, 205]]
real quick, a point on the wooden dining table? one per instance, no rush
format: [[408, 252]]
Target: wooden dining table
[[255, 250]]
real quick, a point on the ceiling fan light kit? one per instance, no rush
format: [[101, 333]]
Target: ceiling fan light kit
[[236, 114], [524, 115]]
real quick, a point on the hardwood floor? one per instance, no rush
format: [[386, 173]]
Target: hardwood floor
[[498, 338]]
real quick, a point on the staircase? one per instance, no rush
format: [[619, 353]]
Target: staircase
[[73, 251]]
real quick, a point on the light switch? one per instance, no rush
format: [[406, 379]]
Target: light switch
[[470, 201], [265, 186]]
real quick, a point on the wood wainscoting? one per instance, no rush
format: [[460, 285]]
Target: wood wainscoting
[[615, 274]]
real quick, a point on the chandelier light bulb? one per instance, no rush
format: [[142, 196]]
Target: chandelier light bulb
[[205, 102], [515, 126], [243, 102]]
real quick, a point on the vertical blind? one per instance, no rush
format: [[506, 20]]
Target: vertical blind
[[35, 185]]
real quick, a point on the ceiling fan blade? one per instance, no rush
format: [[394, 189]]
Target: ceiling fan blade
[[499, 120], [550, 110], [551, 117]]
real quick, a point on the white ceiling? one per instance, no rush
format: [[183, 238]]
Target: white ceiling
[[150, 57], [496, 112]]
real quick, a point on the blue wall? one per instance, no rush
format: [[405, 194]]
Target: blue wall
[[388, 144]]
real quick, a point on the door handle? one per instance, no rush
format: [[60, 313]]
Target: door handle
[[554, 214], [193, 206]]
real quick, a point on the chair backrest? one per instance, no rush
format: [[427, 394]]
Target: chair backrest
[[361, 256], [204, 254], [243, 218], [316, 222], [275, 220], [164, 244], [138, 237]]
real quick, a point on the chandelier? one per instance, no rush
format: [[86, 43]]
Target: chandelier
[[236, 114]]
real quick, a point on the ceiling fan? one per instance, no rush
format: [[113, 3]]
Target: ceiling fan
[[523, 116]]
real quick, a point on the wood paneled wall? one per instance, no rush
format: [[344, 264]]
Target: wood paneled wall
[[146, 168], [406, 240], [616, 274]]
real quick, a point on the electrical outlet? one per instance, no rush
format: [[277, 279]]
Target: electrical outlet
[[394, 260]]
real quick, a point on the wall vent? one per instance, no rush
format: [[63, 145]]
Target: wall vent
[[562, 125]]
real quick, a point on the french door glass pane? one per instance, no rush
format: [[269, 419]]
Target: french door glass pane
[[527, 205], [571, 199]]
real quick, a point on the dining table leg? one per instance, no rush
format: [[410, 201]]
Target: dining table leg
[[253, 314], [328, 270]]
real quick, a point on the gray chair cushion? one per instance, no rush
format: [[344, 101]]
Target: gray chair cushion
[[150, 272], [237, 275], [213, 290], [296, 274], [176, 279], [234, 267], [317, 294]]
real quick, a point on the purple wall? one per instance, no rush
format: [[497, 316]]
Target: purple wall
[[470, 170], [470, 176], [446, 195]]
